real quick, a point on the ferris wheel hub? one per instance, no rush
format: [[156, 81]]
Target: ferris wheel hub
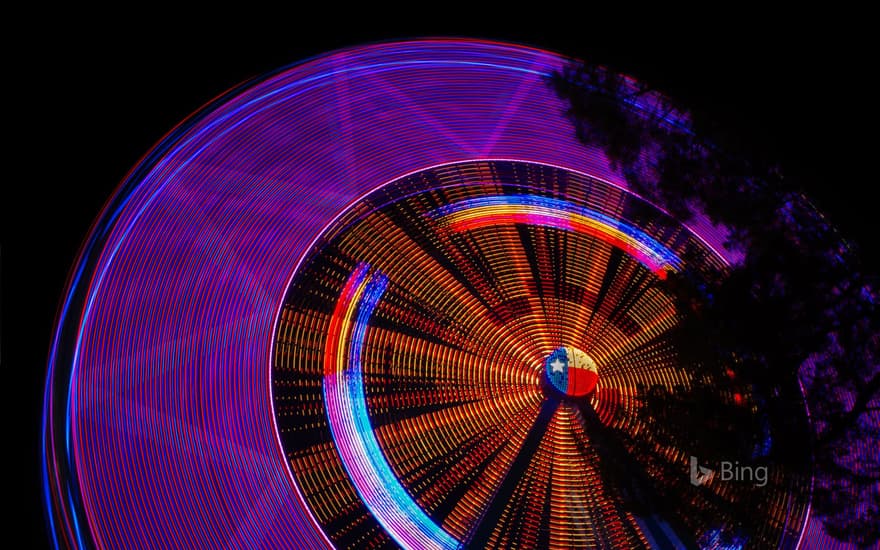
[[571, 371]]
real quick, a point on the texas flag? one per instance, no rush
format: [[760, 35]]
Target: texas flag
[[572, 371]]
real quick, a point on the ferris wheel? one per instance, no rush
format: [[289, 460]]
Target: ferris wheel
[[385, 298]]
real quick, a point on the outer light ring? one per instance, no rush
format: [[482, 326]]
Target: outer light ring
[[158, 423]]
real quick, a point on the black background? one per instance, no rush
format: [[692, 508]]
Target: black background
[[92, 99]]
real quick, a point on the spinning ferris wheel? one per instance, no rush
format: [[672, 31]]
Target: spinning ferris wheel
[[385, 299]]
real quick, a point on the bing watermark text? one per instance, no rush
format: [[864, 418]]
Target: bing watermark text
[[728, 471]]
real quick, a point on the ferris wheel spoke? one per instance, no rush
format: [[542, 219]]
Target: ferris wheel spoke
[[432, 298], [511, 107], [415, 110], [492, 514], [501, 297], [623, 471]]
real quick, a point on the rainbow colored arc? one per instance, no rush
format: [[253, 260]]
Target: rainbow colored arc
[[361, 453], [549, 212]]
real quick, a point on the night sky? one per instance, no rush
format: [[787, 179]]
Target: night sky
[[95, 100]]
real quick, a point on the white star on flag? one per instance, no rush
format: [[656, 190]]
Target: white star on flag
[[556, 365]]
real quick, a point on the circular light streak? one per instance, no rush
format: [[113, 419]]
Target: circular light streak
[[159, 426]]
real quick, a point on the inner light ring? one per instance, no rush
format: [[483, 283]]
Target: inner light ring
[[126, 232]]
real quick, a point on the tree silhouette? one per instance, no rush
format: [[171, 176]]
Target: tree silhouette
[[795, 319]]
